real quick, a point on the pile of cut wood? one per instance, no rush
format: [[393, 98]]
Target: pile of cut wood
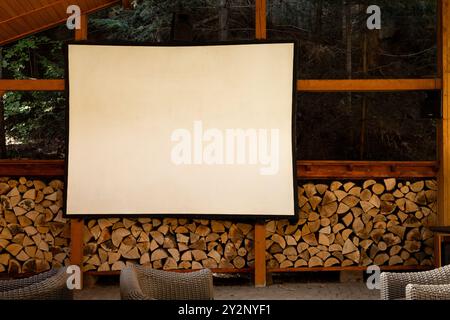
[[169, 243], [33, 233], [344, 224]]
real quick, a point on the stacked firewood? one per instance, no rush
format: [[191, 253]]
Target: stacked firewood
[[344, 224], [340, 224], [34, 235], [169, 243]]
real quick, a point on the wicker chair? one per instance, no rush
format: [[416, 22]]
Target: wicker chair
[[426, 285], [428, 292], [49, 285], [143, 283]]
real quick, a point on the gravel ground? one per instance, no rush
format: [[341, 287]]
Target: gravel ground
[[238, 289]]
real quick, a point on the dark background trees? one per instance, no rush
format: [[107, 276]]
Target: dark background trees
[[334, 44]]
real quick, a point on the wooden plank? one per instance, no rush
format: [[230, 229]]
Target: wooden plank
[[355, 268], [366, 169], [260, 19], [302, 85], [77, 225], [437, 250], [305, 169], [214, 270], [38, 168], [368, 85], [76, 242], [32, 85], [260, 255], [260, 227], [55, 23], [81, 34], [444, 124], [30, 13]]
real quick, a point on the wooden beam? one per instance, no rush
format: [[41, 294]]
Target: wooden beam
[[32, 85], [77, 225], [306, 169], [444, 124], [438, 250], [368, 85], [76, 242], [260, 254], [81, 34], [350, 268], [260, 227], [214, 270], [260, 19], [366, 169], [53, 24], [37, 168], [302, 85]]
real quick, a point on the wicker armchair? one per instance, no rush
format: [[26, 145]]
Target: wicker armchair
[[50, 285], [143, 283], [428, 292], [433, 284]]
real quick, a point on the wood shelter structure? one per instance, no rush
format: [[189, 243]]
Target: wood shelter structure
[[23, 18]]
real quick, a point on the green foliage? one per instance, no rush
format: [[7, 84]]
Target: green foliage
[[144, 23], [34, 121], [404, 48], [35, 124], [33, 57]]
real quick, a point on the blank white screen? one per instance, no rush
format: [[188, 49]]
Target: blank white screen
[[125, 103]]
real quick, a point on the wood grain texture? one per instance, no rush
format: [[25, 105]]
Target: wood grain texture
[[38, 168], [444, 124], [20, 19], [305, 169], [383, 268], [260, 228], [32, 85], [366, 169], [368, 85], [77, 225], [260, 255]]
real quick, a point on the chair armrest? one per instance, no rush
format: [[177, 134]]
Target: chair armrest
[[49, 288], [166, 285], [428, 292], [393, 285], [12, 284], [130, 288]]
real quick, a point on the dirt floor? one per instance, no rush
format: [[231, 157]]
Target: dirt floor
[[283, 287]]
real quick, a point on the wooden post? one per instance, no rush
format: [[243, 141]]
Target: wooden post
[[76, 225], [437, 250], [260, 254], [444, 125], [260, 19], [260, 228], [2, 115]]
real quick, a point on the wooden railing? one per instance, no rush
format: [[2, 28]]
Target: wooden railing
[[305, 169], [366, 169]]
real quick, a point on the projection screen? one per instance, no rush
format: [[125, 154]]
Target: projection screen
[[181, 129]]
